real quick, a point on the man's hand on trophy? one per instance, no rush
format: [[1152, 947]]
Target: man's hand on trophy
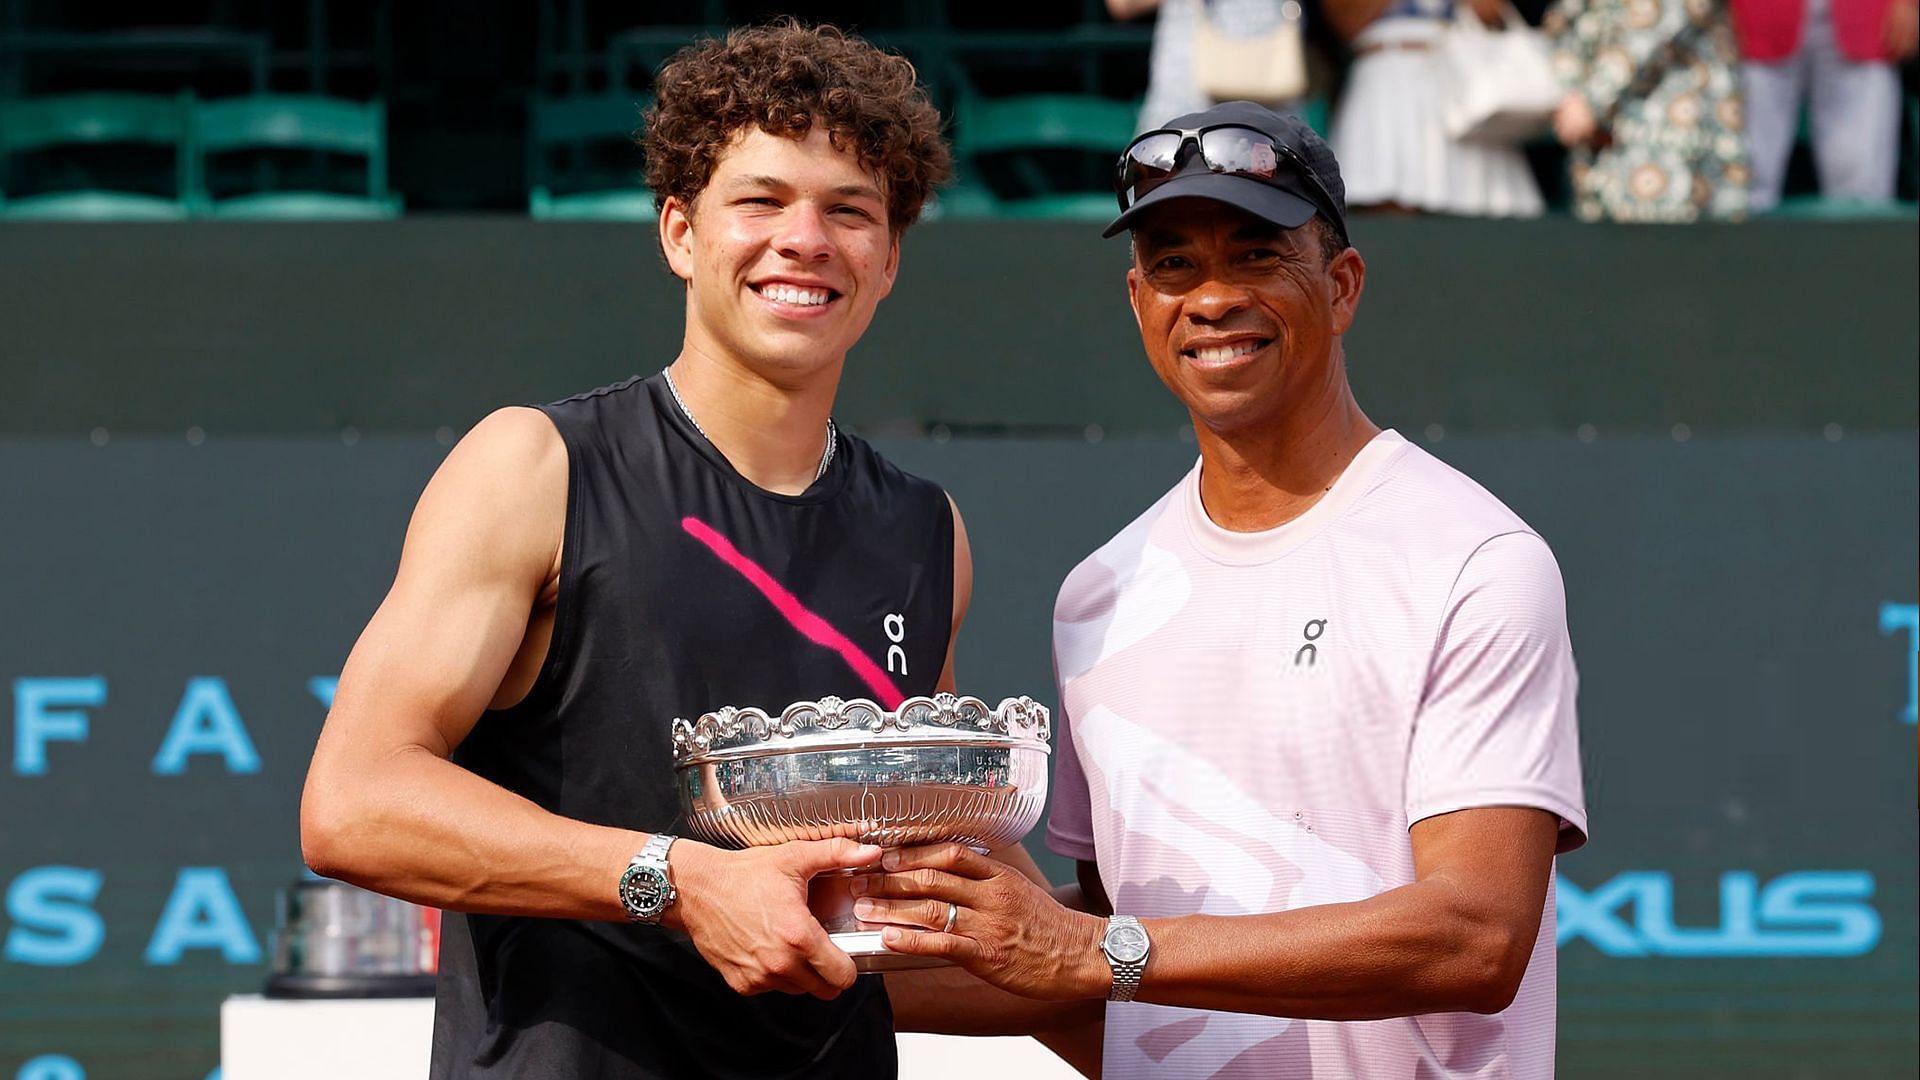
[[746, 912], [949, 901]]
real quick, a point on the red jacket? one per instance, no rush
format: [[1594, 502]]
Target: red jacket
[[1770, 29]]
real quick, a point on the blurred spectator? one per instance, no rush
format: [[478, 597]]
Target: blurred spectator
[[1394, 151], [1172, 89], [1839, 57], [1652, 118]]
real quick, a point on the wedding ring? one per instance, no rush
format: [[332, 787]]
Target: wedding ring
[[953, 912]]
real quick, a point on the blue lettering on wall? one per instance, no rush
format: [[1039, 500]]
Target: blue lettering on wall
[[46, 710], [1591, 914], [54, 924], [51, 1067], [202, 913], [1897, 617], [1809, 913], [1831, 905], [322, 687], [206, 723]]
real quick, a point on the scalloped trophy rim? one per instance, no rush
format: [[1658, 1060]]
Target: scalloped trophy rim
[[832, 723]]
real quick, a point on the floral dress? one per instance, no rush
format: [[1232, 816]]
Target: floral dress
[[1663, 80]]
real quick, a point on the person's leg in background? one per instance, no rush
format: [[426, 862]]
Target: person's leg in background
[[1774, 92], [1855, 114]]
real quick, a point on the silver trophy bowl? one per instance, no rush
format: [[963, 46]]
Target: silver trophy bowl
[[947, 768]]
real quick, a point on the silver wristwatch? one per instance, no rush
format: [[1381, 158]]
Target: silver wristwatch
[[1126, 946], [645, 890]]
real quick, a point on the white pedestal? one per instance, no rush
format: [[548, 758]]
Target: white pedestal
[[960, 1057], [364, 1038], [390, 1039]]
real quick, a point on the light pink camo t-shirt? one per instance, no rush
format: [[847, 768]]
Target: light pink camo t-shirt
[[1251, 721]]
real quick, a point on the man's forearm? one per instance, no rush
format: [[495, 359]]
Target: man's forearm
[[1407, 951], [417, 826]]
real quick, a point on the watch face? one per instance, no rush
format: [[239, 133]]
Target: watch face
[[645, 891], [1127, 944]]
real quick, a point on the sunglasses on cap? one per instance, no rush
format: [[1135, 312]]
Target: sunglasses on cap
[[1155, 157]]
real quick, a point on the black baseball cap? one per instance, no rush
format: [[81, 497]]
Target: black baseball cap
[[1289, 198]]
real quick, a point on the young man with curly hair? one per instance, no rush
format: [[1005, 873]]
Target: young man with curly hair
[[578, 575]]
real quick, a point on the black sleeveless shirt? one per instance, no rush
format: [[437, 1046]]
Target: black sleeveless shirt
[[684, 587]]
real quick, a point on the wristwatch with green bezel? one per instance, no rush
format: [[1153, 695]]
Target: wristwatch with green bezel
[[645, 889]]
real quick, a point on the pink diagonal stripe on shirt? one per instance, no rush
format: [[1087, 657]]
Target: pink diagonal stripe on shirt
[[817, 630]]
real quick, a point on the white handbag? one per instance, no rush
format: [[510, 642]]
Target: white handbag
[[1496, 84], [1269, 68]]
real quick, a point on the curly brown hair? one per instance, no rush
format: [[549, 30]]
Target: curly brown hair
[[783, 78]]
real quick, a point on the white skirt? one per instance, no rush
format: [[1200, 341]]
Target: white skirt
[[1393, 148]]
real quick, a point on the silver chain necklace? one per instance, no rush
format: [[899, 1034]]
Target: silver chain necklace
[[826, 459]]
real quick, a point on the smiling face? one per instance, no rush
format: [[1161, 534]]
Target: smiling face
[[1240, 317], [786, 252]]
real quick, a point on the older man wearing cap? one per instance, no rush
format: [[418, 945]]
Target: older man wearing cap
[[1319, 747]]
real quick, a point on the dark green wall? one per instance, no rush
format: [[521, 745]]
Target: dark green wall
[[423, 323]]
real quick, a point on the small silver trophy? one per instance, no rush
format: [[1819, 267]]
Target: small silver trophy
[[335, 940], [946, 768]]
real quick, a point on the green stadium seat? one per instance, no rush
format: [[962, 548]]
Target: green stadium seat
[[1072, 205], [43, 123], [1014, 126], [635, 204], [569, 128], [287, 122], [961, 199]]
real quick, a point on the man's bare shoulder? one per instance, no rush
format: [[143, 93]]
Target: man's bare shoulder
[[501, 490], [516, 444], [512, 453]]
